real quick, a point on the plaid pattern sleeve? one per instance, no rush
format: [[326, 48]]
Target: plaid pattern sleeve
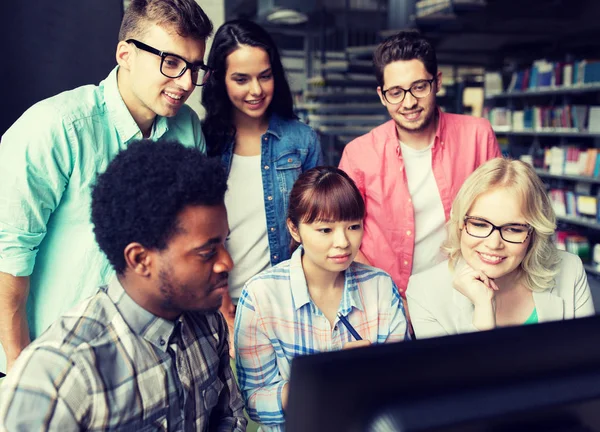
[[31, 401], [276, 320], [111, 365], [258, 370]]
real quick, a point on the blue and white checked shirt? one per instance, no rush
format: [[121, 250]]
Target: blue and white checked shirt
[[108, 364], [276, 320]]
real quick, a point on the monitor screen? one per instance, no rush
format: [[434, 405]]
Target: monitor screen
[[538, 375]]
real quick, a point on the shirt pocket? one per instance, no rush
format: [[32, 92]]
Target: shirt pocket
[[155, 422], [288, 167], [210, 394]]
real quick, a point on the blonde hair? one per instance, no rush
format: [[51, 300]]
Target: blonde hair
[[540, 263]]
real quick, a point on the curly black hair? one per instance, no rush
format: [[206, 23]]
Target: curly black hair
[[218, 125], [144, 189]]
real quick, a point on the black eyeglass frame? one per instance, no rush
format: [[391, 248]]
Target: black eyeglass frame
[[499, 228], [162, 54], [430, 82]]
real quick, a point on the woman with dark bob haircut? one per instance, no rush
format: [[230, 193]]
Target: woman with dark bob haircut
[[314, 301], [250, 124]]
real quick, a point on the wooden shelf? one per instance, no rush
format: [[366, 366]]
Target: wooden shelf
[[549, 91], [584, 222], [587, 179], [557, 133]]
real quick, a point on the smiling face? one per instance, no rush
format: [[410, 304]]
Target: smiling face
[[412, 115], [496, 257], [145, 90], [191, 273], [249, 82], [328, 246]]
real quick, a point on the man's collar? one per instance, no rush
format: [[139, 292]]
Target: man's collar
[[154, 329]]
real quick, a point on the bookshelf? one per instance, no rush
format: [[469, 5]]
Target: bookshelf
[[549, 115], [578, 178]]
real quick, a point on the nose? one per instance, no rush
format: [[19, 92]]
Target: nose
[[224, 263], [340, 239], [494, 240], [255, 88], [409, 100], [185, 81]]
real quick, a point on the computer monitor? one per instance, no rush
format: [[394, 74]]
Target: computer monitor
[[507, 379]]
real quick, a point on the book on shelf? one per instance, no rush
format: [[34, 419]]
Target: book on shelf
[[544, 74], [571, 160], [492, 84], [565, 118]]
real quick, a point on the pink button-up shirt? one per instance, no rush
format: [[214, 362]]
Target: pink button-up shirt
[[375, 163]]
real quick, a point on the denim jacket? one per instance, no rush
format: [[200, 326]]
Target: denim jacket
[[289, 147]]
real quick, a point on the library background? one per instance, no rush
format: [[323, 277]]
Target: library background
[[530, 66]]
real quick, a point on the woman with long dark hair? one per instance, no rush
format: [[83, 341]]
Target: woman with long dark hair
[[250, 123], [319, 300]]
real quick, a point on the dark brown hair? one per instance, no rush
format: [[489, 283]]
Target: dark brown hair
[[186, 17], [405, 45], [324, 193]]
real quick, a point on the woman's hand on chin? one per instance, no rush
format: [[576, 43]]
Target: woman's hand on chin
[[474, 284]]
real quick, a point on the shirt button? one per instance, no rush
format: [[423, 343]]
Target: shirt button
[[410, 200], [272, 229], [265, 138], [290, 160], [335, 328], [162, 342], [408, 232], [266, 167], [270, 198], [274, 256], [405, 262]]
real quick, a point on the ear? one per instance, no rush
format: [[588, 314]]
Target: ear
[[138, 259], [293, 229], [124, 54], [438, 82], [380, 94]]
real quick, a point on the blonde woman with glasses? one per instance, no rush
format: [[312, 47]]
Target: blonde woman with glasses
[[503, 268]]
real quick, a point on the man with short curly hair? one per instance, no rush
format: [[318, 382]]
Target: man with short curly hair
[[53, 152], [149, 350]]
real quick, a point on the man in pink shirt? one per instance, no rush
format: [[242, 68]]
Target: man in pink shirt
[[410, 168]]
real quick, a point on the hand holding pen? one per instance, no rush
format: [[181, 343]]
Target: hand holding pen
[[359, 342]]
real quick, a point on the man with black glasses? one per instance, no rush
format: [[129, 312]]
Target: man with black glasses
[[51, 156], [410, 168]]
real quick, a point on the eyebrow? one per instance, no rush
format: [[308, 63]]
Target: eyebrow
[[240, 74], [412, 83], [213, 241]]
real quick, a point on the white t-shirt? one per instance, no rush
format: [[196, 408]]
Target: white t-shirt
[[248, 243], [430, 220]]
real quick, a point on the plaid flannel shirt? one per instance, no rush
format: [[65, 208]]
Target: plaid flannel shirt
[[108, 364]]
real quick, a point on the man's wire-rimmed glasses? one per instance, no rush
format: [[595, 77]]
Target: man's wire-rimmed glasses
[[174, 66], [419, 90], [511, 233]]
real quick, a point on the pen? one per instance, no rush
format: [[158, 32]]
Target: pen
[[347, 324]]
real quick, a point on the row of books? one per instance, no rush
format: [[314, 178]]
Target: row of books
[[570, 203], [575, 243], [572, 160], [544, 74], [581, 118]]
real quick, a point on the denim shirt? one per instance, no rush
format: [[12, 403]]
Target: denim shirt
[[289, 147]]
